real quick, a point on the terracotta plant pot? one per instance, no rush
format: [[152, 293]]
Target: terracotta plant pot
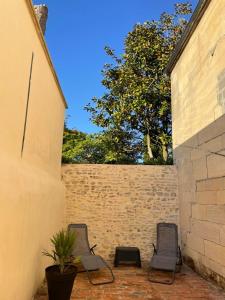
[[60, 285]]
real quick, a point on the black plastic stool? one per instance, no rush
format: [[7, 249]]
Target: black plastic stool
[[127, 254]]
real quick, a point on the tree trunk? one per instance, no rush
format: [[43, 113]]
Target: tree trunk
[[149, 146], [164, 153]]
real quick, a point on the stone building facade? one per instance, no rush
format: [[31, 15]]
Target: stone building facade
[[121, 204], [197, 70]]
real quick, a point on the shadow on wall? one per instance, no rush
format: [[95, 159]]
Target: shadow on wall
[[201, 187]]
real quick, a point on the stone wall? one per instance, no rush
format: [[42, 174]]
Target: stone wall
[[42, 15], [198, 84], [198, 105], [201, 169], [120, 204]]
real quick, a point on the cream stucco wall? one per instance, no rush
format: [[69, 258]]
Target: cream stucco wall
[[198, 134], [31, 193]]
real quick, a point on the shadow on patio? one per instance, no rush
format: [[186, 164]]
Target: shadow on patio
[[132, 283]]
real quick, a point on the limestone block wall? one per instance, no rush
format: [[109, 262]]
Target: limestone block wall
[[121, 204], [198, 105], [201, 169], [198, 83]]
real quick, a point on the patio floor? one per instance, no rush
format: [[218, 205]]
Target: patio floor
[[132, 283]]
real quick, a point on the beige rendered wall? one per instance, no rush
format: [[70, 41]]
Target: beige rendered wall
[[31, 193], [198, 104], [120, 204]]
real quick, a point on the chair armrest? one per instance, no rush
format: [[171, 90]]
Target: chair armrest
[[155, 251], [92, 248]]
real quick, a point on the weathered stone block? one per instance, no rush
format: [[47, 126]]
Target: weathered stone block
[[215, 252], [189, 196], [200, 169], [222, 235], [214, 266], [216, 165], [194, 255], [220, 122], [197, 154], [206, 230], [199, 212], [206, 197], [221, 197], [196, 243], [213, 184], [216, 213], [223, 141], [213, 145], [209, 133], [182, 153], [185, 212]]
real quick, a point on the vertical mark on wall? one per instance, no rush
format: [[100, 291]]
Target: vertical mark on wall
[[27, 105]]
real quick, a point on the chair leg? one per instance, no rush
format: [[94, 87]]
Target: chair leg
[[171, 281], [103, 282]]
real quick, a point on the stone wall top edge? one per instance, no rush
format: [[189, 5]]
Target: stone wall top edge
[[119, 166]]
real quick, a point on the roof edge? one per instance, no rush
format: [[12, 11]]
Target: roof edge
[[181, 45], [43, 43]]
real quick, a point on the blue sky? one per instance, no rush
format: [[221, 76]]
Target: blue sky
[[77, 31]]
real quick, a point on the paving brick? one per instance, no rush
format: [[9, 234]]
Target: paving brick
[[132, 283]]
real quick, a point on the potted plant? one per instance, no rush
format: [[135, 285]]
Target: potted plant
[[60, 276]]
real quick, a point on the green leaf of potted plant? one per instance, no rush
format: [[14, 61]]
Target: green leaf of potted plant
[[60, 276]]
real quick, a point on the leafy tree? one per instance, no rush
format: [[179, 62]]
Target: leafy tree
[[138, 96], [71, 138], [107, 147], [122, 146]]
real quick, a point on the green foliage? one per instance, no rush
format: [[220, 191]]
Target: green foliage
[[71, 138], [138, 97], [112, 146], [62, 243]]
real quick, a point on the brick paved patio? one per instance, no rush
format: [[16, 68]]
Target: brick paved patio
[[132, 283]]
